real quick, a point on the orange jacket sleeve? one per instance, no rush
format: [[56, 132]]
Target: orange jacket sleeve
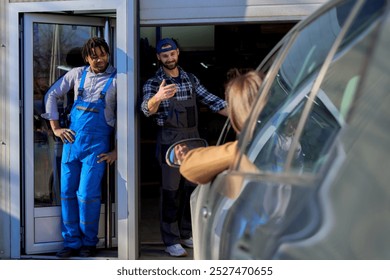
[[201, 165]]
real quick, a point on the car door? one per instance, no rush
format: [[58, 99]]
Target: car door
[[293, 150], [271, 197]]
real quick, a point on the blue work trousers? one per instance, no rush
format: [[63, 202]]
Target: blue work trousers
[[81, 178]]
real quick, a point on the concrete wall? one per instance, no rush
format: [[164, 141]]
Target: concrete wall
[[152, 13]]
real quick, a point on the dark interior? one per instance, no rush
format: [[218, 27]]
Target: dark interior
[[241, 46]]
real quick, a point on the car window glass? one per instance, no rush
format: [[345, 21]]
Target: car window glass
[[227, 135], [337, 91], [369, 116], [308, 152], [274, 153], [343, 76], [271, 143], [320, 130], [305, 55]]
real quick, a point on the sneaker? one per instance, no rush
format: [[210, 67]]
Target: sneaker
[[176, 251], [67, 252], [187, 243], [87, 251]]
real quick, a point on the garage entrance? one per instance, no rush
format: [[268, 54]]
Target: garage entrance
[[207, 51]]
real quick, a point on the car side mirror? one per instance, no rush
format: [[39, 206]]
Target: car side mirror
[[177, 151]]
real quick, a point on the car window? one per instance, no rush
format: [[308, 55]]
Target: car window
[[309, 48], [309, 151], [343, 76], [274, 137], [227, 135]]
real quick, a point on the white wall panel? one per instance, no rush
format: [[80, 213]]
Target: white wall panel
[[19, 1], [4, 155], [156, 12]]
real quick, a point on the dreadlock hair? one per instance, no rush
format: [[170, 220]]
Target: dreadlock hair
[[92, 43]]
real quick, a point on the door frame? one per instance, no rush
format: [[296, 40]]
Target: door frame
[[126, 57], [51, 215]]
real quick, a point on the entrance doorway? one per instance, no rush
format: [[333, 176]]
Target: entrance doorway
[[207, 51], [51, 47]]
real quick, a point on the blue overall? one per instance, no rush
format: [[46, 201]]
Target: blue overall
[[81, 175]]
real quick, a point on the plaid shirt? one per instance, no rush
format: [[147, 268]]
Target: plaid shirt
[[185, 89]]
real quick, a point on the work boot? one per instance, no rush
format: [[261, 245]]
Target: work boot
[[87, 251], [67, 252]]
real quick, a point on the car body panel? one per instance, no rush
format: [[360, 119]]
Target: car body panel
[[323, 192]]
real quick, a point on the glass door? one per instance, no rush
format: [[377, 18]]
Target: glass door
[[52, 45]]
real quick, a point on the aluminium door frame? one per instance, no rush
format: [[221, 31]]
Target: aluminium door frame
[[127, 174], [51, 215]]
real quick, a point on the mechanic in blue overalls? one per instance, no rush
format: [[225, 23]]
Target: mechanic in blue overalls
[[86, 148]]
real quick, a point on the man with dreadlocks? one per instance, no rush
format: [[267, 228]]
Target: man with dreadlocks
[[86, 145]]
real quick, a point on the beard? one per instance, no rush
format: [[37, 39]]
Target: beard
[[171, 65], [99, 67]]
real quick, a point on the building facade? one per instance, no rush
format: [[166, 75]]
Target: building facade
[[34, 38]]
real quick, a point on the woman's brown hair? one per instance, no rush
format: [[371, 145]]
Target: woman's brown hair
[[241, 92]]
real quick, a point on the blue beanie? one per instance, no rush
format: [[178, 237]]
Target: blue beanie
[[165, 41]]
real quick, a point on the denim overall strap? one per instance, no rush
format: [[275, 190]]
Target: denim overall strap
[[107, 85], [82, 81], [89, 116]]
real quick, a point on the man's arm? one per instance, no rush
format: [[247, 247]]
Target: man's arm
[[57, 90], [213, 102], [153, 104], [223, 112], [164, 93]]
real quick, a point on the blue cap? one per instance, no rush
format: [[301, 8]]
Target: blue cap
[[165, 41]]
